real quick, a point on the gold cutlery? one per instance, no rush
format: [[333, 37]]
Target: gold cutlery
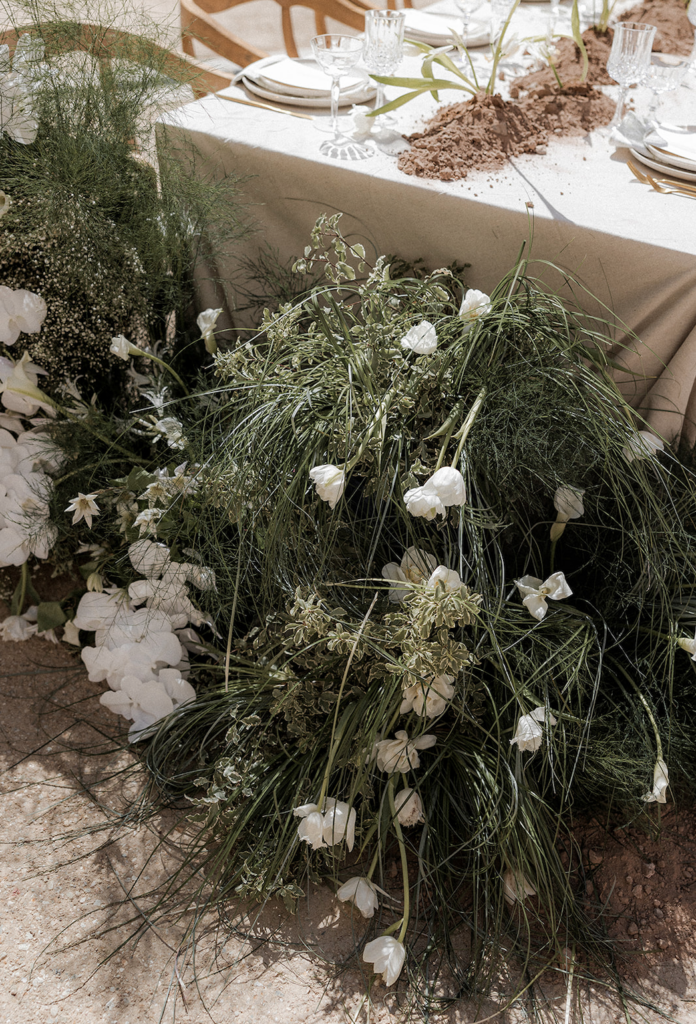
[[264, 106], [663, 185]]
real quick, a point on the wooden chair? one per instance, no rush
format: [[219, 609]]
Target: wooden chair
[[197, 23], [107, 44]]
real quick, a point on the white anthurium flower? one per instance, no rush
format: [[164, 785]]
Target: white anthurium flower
[[475, 304], [401, 754], [421, 339], [444, 488], [149, 558], [207, 321], [21, 312], [99, 611], [530, 731], [660, 783], [327, 828], [449, 578], [18, 385], [130, 627], [416, 566], [688, 645], [409, 807], [643, 445], [17, 628], [330, 482], [123, 348], [516, 887], [362, 893], [535, 592], [387, 956], [5, 203], [568, 504], [84, 507], [429, 698], [71, 634]]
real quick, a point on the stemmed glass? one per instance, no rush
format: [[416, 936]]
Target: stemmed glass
[[466, 8], [666, 72], [337, 54], [384, 47], [629, 60], [500, 9]]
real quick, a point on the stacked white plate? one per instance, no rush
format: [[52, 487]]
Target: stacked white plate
[[671, 150], [434, 28], [300, 82]]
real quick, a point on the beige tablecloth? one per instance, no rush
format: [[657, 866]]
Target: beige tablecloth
[[577, 207]]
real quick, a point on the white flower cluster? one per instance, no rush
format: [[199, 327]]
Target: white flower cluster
[[141, 652], [25, 490]]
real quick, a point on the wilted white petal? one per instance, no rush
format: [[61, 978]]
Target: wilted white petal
[[362, 893], [660, 784], [330, 482], [643, 445], [409, 807], [529, 732], [516, 887], [387, 955]]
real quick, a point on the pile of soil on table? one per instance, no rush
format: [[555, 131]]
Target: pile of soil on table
[[675, 33], [483, 132]]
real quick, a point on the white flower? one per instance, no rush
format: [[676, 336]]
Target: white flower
[[643, 445], [428, 698], [20, 311], [84, 506], [529, 732], [449, 578], [660, 784], [96, 611], [516, 887], [330, 482], [206, 325], [387, 955], [362, 124], [444, 488], [401, 754], [148, 558], [409, 807], [416, 566], [123, 348], [329, 827], [421, 339], [171, 429], [145, 703], [71, 634], [18, 387], [5, 203], [17, 628], [147, 520], [534, 592], [362, 893], [568, 504], [475, 304]]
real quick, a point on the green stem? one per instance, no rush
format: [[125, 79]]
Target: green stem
[[382, 411], [490, 88], [658, 741], [404, 861], [175, 375], [468, 424], [23, 587]]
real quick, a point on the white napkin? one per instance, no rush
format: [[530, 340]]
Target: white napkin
[[680, 142], [432, 28]]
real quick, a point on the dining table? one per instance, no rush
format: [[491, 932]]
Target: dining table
[[591, 231]]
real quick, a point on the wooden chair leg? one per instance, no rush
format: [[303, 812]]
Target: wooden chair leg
[[288, 35]]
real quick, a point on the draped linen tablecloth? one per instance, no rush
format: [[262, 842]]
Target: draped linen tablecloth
[[577, 207]]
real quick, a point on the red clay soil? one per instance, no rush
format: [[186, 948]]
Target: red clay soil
[[483, 132]]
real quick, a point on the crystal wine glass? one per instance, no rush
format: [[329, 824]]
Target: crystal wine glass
[[629, 60], [500, 10], [383, 50], [337, 54], [666, 72], [466, 8]]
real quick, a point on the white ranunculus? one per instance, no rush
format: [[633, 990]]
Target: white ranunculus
[[421, 339], [17, 628], [643, 445], [535, 592], [530, 732], [475, 304], [387, 955], [688, 645], [362, 893], [123, 348], [84, 507], [327, 828], [660, 784], [206, 325], [428, 698], [5, 203], [18, 385], [424, 503], [330, 482], [21, 311], [401, 754], [516, 887], [568, 504], [416, 566], [449, 578], [409, 807], [444, 488]]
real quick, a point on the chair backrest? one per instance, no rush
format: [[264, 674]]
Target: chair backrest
[[197, 23], [106, 44]]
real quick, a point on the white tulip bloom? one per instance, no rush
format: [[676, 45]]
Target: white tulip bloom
[[401, 754], [387, 955], [330, 482], [421, 339], [660, 784], [21, 311], [327, 828], [688, 645], [416, 566], [409, 807], [444, 488], [475, 304], [516, 887], [123, 348], [362, 893], [424, 503], [429, 698], [534, 592], [568, 504], [449, 578], [643, 445], [84, 506], [5, 203], [206, 325], [18, 385], [529, 732]]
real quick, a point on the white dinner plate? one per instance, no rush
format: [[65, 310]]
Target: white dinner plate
[[298, 77], [664, 169], [434, 29], [364, 92], [670, 159]]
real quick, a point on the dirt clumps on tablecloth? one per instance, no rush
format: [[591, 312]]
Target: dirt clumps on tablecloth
[[483, 132], [568, 63], [675, 33]]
